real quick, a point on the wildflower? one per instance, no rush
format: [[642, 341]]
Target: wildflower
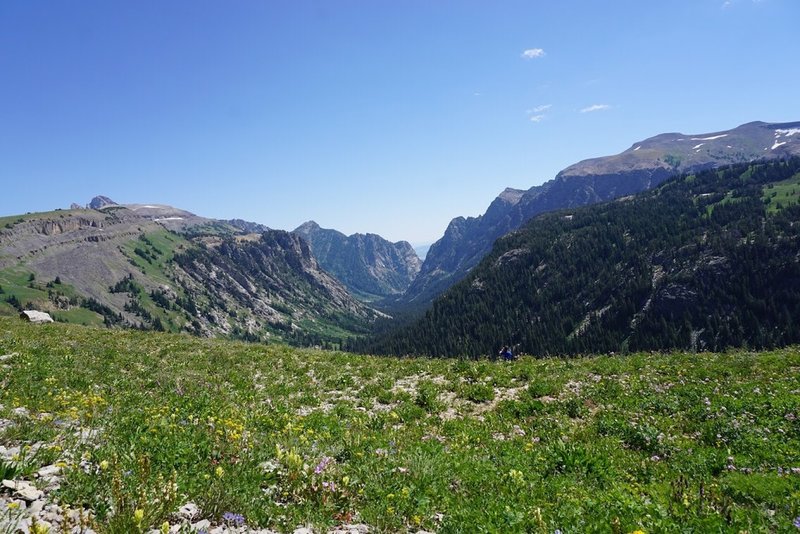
[[516, 476], [138, 516], [165, 527], [39, 528], [322, 465], [236, 519], [796, 522], [219, 471], [12, 505], [638, 532], [330, 486], [104, 465]]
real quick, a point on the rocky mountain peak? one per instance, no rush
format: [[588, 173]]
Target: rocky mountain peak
[[100, 202], [511, 195], [306, 228]]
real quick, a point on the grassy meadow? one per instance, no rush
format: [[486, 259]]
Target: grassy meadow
[[142, 423]]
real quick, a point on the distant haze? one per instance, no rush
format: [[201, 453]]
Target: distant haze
[[422, 250]]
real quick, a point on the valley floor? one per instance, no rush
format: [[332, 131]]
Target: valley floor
[[124, 431]]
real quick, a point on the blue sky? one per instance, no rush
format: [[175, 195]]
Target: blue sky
[[389, 117]]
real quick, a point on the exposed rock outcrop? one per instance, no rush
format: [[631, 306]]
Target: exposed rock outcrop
[[367, 264]]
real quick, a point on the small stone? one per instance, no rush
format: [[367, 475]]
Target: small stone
[[49, 471], [36, 506], [24, 489], [21, 411], [189, 510], [303, 530], [204, 524], [350, 529]]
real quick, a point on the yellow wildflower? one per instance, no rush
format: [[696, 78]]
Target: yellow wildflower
[[219, 471]]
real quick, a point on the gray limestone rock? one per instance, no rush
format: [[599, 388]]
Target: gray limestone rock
[[36, 317], [23, 489]]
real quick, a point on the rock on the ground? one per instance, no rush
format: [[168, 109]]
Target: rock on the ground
[[37, 317], [23, 489], [189, 510], [350, 529]]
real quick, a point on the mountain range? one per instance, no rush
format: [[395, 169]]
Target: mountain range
[[159, 267], [706, 260], [367, 264], [644, 165]]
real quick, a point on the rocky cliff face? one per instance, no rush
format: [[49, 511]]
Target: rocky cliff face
[[274, 277], [368, 265], [644, 165]]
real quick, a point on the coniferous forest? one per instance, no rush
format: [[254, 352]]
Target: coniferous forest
[[703, 262]]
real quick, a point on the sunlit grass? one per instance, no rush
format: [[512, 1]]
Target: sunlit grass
[[287, 437]]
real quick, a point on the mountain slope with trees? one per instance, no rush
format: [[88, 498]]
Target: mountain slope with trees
[[159, 268], [643, 166], [704, 261]]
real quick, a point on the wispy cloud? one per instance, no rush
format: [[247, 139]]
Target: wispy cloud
[[729, 3], [595, 107], [532, 53], [537, 114], [539, 109]]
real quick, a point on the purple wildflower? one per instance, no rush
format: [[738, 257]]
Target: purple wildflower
[[236, 519], [796, 522], [322, 465], [330, 486]]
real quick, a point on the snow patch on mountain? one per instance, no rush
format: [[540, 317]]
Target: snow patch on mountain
[[787, 132], [709, 138]]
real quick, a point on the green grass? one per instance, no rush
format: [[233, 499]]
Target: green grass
[[80, 316], [158, 248], [782, 194], [15, 281], [288, 437], [11, 220]]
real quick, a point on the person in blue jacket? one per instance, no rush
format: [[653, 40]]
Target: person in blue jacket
[[506, 353]]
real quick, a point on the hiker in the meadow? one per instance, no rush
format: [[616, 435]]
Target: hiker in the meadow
[[506, 353]]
